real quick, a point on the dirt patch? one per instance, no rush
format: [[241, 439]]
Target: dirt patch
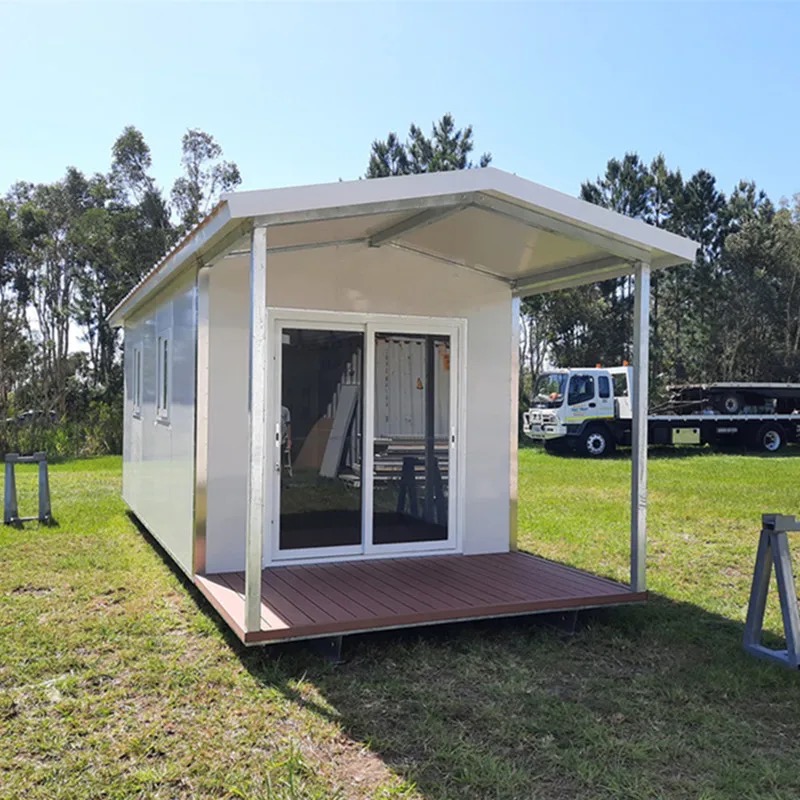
[[31, 589], [359, 772]]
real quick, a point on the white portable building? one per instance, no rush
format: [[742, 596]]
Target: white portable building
[[321, 381]]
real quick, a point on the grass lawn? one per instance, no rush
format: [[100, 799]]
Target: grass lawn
[[117, 681]]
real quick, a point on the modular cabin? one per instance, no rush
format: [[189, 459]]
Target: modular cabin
[[320, 422]]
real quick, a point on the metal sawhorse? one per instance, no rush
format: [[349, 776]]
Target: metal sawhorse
[[10, 508], [773, 548]]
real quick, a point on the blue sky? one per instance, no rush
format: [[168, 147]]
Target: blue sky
[[295, 93]]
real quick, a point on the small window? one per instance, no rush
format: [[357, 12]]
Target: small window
[[620, 385], [164, 378], [604, 386], [136, 381], [581, 389]]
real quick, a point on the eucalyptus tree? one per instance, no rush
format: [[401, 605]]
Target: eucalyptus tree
[[15, 344], [205, 176]]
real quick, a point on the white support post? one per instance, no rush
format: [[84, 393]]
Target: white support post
[[257, 406], [513, 467], [641, 365]]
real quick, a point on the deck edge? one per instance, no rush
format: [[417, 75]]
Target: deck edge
[[203, 585], [423, 619]]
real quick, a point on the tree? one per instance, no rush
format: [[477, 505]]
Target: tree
[[130, 167], [15, 344], [759, 334], [49, 267], [447, 148], [69, 251], [205, 177]]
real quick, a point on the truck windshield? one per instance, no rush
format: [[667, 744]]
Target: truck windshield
[[549, 390]]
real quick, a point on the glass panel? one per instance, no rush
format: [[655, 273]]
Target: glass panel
[[581, 389], [321, 411], [412, 426]]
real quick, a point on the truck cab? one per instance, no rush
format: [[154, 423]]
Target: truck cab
[[578, 408]]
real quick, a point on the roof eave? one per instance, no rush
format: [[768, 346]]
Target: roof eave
[[635, 240]]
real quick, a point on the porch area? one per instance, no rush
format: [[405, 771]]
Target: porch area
[[304, 602]]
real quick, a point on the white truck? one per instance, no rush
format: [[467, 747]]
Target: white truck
[[589, 411]]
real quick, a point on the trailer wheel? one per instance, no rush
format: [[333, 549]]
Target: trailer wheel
[[770, 438], [596, 442], [730, 403]]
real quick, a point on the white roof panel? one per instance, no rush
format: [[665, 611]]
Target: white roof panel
[[534, 238]]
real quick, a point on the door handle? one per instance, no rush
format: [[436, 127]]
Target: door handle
[[592, 405]]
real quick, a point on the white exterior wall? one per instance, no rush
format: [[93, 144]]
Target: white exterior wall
[[228, 438], [158, 455], [366, 280]]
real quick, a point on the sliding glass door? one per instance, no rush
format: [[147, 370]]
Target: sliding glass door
[[365, 424], [410, 442], [319, 438]]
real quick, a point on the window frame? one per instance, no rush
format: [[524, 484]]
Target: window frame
[[164, 375], [137, 378], [620, 382], [584, 397], [604, 387]]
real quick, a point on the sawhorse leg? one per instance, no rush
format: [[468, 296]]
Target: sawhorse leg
[[10, 507]]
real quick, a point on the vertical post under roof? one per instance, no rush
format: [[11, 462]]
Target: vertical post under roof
[[641, 365], [513, 466], [257, 408]]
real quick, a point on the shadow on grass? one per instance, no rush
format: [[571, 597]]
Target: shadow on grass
[[655, 700], [643, 701], [32, 523]]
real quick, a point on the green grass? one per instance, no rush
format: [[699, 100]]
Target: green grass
[[116, 681]]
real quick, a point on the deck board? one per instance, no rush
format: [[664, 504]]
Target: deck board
[[299, 602]]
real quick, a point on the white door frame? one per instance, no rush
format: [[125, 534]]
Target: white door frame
[[279, 322], [429, 326], [368, 325]]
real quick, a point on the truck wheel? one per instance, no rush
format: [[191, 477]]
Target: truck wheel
[[596, 442], [770, 438], [730, 403]]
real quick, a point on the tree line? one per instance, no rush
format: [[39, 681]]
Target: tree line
[[71, 249], [732, 315], [69, 252]]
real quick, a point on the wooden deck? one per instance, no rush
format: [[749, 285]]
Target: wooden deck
[[303, 602]]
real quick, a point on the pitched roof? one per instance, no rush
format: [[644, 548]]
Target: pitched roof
[[532, 237]]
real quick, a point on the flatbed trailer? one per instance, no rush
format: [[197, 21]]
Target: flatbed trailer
[[734, 397], [589, 411]]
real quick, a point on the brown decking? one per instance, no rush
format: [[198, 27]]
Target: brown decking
[[302, 602]]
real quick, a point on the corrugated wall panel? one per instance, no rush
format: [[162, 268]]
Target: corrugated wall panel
[[400, 381]]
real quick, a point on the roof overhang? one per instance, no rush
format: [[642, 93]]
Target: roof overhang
[[532, 238]]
